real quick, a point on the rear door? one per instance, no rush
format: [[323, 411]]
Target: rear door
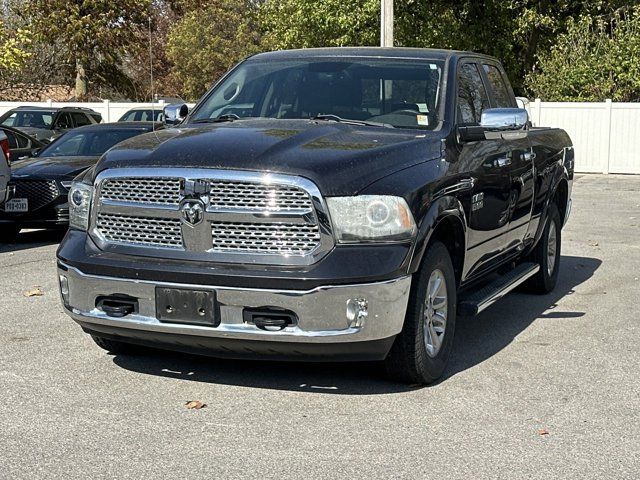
[[521, 159]]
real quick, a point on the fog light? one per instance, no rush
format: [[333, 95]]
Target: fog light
[[64, 290], [357, 312]]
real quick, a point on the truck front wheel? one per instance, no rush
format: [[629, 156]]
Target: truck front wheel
[[421, 351]]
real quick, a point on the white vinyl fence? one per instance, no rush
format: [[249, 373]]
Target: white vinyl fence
[[606, 136]]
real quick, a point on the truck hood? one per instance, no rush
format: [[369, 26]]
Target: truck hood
[[341, 159], [53, 168]]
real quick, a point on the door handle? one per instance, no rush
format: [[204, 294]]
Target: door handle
[[529, 156]]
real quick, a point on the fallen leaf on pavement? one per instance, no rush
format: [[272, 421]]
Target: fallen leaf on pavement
[[594, 244], [36, 291], [195, 405], [543, 431]]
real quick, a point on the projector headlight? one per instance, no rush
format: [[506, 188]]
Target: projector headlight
[[80, 197], [371, 218]]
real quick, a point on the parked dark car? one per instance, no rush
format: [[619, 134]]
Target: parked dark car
[[21, 144], [40, 184], [331, 204], [5, 166], [143, 114], [47, 123]]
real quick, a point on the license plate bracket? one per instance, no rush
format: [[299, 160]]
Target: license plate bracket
[[17, 205], [177, 305]]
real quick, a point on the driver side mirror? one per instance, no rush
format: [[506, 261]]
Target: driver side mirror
[[175, 113], [497, 123]]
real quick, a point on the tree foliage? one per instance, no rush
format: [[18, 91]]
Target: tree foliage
[[594, 60], [13, 49], [96, 33], [208, 40]]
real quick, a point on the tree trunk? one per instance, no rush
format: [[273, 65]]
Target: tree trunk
[[81, 81]]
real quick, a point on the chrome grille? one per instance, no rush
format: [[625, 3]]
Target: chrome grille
[[252, 196], [161, 191], [287, 239], [39, 192], [145, 231], [246, 217]]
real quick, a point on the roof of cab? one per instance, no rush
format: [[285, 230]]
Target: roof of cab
[[373, 52]]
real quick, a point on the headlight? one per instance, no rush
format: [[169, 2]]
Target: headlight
[[371, 218], [80, 196]]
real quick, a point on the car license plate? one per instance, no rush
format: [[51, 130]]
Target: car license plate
[[177, 305], [17, 205]]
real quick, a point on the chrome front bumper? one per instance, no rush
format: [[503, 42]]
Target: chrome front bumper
[[322, 312]]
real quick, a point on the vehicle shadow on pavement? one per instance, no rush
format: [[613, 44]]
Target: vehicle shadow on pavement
[[477, 339], [481, 337], [33, 239]]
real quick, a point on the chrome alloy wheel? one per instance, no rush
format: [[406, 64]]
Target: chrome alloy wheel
[[435, 313], [552, 248]]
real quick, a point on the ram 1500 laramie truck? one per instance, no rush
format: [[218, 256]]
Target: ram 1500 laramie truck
[[323, 204]]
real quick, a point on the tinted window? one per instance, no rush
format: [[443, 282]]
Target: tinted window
[[500, 92], [80, 119], [29, 118], [472, 96], [403, 93], [89, 143], [64, 121]]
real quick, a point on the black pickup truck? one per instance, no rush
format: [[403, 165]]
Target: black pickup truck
[[323, 204]]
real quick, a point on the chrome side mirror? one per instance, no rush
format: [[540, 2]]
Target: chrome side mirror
[[504, 119], [175, 113]]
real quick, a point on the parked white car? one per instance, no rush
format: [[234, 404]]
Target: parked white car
[[5, 166]]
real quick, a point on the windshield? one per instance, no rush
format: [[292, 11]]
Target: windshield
[[91, 143], [401, 93], [29, 118]]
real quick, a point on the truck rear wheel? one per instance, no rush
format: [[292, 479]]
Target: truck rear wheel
[[117, 347], [547, 254], [421, 351]]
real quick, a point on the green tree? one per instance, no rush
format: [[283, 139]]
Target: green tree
[[96, 33], [326, 23], [13, 49], [594, 60], [208, 40]]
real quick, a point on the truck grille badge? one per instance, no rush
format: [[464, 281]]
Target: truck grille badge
[[192, 212]]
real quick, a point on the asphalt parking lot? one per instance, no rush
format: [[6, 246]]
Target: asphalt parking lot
[[539, 386]]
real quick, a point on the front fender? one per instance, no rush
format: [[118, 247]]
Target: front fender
[[441, 209]]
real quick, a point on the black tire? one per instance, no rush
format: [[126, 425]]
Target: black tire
[[545, 281], [114, 346], [9, 232], [408, 360]]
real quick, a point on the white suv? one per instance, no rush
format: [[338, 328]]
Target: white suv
[[5, 166]]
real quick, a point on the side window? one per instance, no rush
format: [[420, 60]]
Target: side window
[[63, 122], [500, 92], [472, 96], [80, 119]]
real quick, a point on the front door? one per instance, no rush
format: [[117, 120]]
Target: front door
[[487, 162]]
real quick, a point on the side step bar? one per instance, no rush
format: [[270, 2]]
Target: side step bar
[[479, 300]]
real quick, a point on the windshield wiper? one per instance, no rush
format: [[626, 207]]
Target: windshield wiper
[[228, 117], [336, 118]]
